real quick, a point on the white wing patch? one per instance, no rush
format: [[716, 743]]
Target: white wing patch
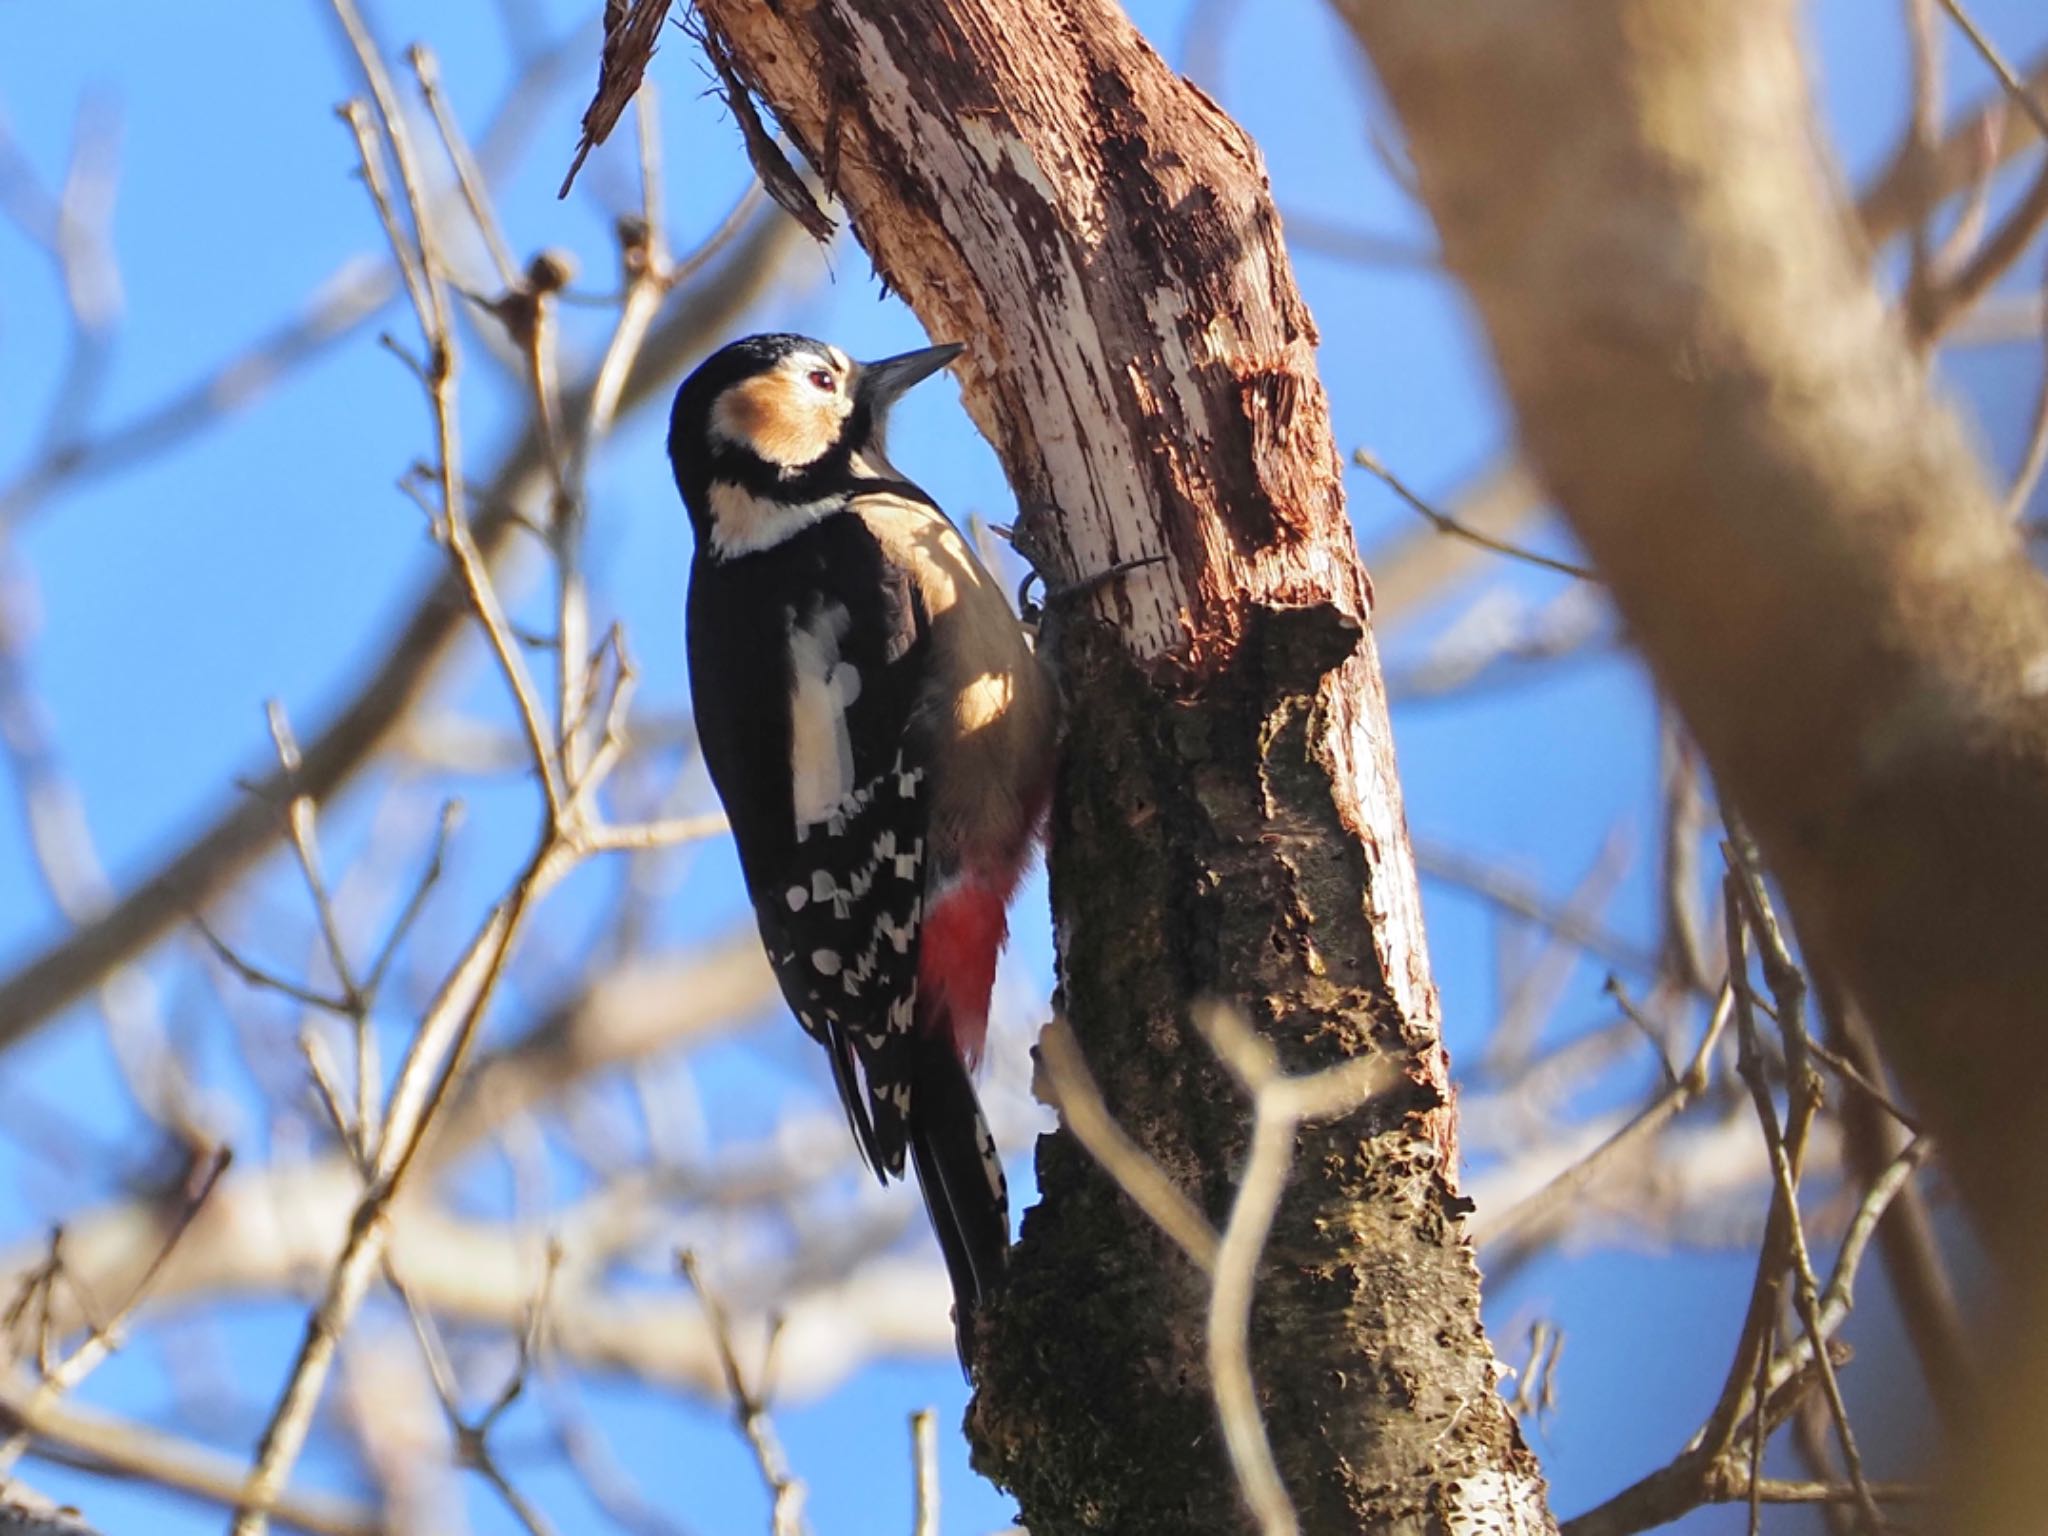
[[822, 689]]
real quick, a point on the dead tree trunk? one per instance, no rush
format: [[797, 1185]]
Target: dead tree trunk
[[1228, 823], [1796, 531]]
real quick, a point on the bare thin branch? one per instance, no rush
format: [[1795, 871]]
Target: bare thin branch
[[1569, 1185], [245, 829], [468, 174], [121, 1449], [750, 1409], [1073, 1093], [1367, 460], [924, 1457], [2019, 91]]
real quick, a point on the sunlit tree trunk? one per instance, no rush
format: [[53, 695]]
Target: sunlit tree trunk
[[1228, 823]]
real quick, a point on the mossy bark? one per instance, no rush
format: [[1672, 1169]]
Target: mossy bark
[[1202, 852]]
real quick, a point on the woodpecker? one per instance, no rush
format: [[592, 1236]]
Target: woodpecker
[[882, 738]]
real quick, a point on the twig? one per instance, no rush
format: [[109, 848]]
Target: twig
[[453, 527], [647, 836], [2001, 249], [347, 1127], [1533, 989], [1805, 1291], [262, 976], [75, 228], [1967, 229], [1778, 1490], [430, 305], [1763, 1385], [2015, 88], [113, 1447], [468, 175], [1540, 1207], [1912, 1254], [736, 219], [1865, 1085], [1536, 1383], [244, 830], [924, 1457], [302, 829], [1229, 1317], [1367, 460], [1923, 130], [355, 292], [451, 818], [1683, 921], [66, 858], [1810, 1443], [1788, 988], [1648, 1028], [644, 261], [750, 1409], [442, 1043], [24, 1512], [473, 1437], [1837, 1301], [1280, 1105], [1079, 1102], [1496, 886], [1999, 319], [103, 1338], [1503, 640], [1363, 247], [610, 1487]]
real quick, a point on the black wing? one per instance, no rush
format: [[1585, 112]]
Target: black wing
[[839, 898]]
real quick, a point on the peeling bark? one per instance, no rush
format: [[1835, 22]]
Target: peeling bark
[[1228, 822]]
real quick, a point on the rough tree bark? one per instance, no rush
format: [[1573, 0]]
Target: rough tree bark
[[1794, 527], [1228, 823]]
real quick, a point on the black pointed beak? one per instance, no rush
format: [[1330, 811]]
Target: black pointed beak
[[879, 384]]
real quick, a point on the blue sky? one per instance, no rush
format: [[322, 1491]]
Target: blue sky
[[267, 557]]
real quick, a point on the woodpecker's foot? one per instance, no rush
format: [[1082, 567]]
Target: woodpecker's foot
[[1034, 608], [1031, 537]]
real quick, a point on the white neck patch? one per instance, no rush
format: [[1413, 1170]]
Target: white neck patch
[[743, 523]]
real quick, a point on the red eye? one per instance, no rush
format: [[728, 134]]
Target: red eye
[[820, 379]]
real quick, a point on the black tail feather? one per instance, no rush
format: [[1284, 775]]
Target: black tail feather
[[853, 1099], [962, 1180]]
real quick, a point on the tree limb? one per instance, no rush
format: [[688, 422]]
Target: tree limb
[[1791, 522]]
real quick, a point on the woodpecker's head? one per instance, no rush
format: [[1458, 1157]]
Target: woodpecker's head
[[772, 433]]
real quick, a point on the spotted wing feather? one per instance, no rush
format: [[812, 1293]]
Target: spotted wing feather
[[833, 852]]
